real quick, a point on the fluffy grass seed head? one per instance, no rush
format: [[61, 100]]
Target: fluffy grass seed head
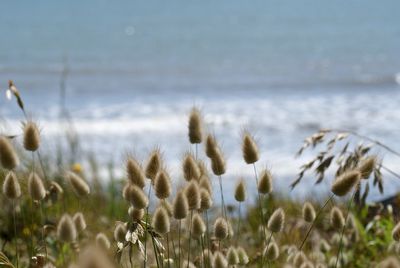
[[206, 199], [249, 149], [211, 146], [243, 257], [389, 262], [160, 221], [168, 207], [396, 232], [8, 157], [240, 191], [137, 197], [190, 168], [198, 226], [195, 126], [221, 228], [367, 166], [35, 187], [271, 251], [31, 136], [79, 185], [120, 232], [102, 241], [79, 221], [66, 230], [208, 258], [220, 260], [308, 212], [192, 192], [232, 256], [162, 185], [154, 164], [346, 182], [135, 213], [135, 172], [276, 221], [218, 164], [336, 218], [265, 183], [205, 184], [180, 206], [11, 186], [299, 258]]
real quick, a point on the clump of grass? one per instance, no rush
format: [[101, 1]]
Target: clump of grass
[[132, 222]]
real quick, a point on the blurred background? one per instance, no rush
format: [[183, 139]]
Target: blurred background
[[134, 69]]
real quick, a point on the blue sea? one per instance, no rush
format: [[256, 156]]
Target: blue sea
[[281, 69]]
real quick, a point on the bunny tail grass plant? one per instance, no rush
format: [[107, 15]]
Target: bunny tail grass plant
[[195, 128], [135, 172], [153, 166], [240, 196], [192, 192], [180, 211], [190, 168], [8, 157], [275, 225], [12, 191]]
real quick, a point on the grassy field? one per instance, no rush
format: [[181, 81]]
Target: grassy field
[[56, 215]]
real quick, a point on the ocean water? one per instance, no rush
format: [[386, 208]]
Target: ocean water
[[280, 69]]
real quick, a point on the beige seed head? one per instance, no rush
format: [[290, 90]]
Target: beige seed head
[[8, 157], [35, 187], [232, 256], [160, 221], [195, 126], [206, 200], [249, 149], [299, 259], [31, 136], [154, 164], [221, 228], [198, 226], [162, 185], [211, 146], [271, 251], [102, 241], [337, 219], [218, 164], [276, 221], [79, 221], [265, 182], [11, 186], [346, 182], [308, 212], [396, 232], [203, 168], [190, 168], [120, 232], [81, 188], [367, 166], [135, 172], [66, 231], [192, 192], [220, 260], [240, 191], [135, 214], [180, 206], [137, 197], [205, 184], [243, 257], [208, 258]]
